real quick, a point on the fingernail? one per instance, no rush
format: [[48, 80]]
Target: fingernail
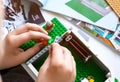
[[55, 44], [49, 37], [46, 32]]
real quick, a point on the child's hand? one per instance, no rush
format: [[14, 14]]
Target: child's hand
[[59, 66], [13, 55]]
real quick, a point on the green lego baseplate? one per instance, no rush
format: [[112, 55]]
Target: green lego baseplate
[[58, 30]]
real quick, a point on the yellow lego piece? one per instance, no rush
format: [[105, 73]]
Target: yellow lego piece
[[115, 5], [91, 80]]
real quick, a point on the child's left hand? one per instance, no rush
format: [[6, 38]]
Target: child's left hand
[[13, 55]]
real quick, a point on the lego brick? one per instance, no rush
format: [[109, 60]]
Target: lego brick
[[28, 45]]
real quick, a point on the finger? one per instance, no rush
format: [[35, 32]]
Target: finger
[[70, 63], [57, 56], [29, 27], [31, 35], [30, 52], [68, 59], [74, 67]]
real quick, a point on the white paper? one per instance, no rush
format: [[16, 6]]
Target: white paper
[[109, 21]]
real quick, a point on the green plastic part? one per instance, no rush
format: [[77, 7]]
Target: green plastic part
[[116, 80], [50, 41], [84, 10], [28, 45], [58, 30]]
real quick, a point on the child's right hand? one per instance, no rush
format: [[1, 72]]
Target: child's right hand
[[59, 66]]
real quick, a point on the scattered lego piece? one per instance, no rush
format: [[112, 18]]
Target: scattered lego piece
[[108, 75], [116, 80], [91, 78]]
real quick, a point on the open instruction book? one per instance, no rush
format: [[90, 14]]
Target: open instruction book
[[95, 12]]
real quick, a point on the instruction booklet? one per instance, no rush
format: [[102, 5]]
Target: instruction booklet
[[96, 12]]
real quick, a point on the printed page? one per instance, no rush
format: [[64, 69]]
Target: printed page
[[115, 40], [15, 16], [95, 12]]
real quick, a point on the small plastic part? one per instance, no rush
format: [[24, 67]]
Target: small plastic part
[[91, 78], [49, 26], [116, 80], [28, 45], [44, 42], [50, 41]]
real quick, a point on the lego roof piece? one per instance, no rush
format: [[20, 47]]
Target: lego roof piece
[[115, 5]]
